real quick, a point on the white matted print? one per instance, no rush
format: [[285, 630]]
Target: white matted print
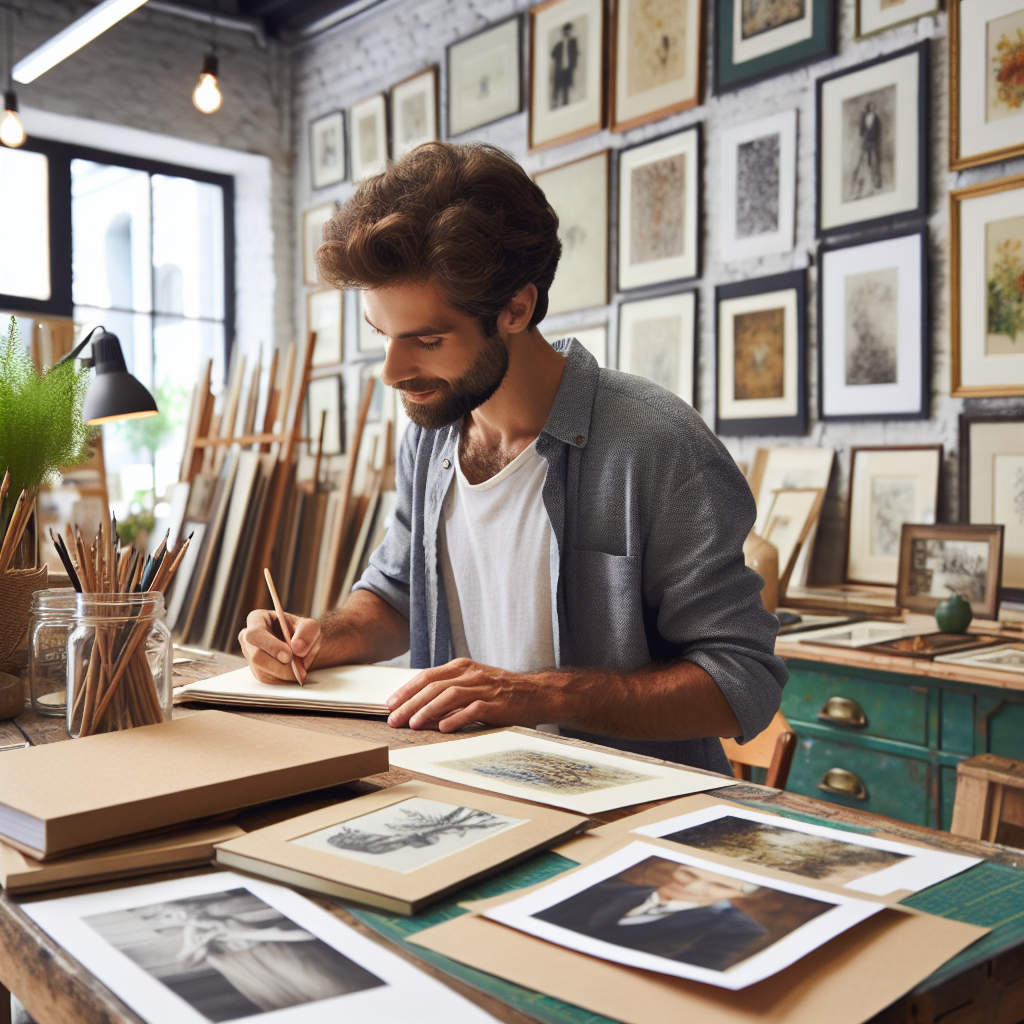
[[857, 862], [659, 185], [759, 29], [413, 112], [879, 15], [313, 222], [484, 79], [368, 124], [1009, 658], [656, 341], [548, 772], [225, 947], [758, 176], [872, 316], [658, 910], [325, 318], [578, 192], [327, 149]]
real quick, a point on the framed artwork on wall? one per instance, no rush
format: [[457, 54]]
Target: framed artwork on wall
[[986, 91], [760, 366], [324, 395], [593, 339], [872, 141], [755, 40], [659, 210], [566, 71], [368, 340], [578, 192], [992, 485], [368, 123], [325, 318], [657, 60], [888, 487], [873, 328], [485, 81], [878, 15], [313, 222], [757, 172], [327, 149], [657, 341], [986, 239], [413, 112]]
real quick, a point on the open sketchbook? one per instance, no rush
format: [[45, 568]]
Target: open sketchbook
[[346, 689]]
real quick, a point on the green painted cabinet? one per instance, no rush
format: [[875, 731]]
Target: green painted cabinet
[[890, 743]]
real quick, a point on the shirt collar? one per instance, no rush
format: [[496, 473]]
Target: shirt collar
[[569, 419]]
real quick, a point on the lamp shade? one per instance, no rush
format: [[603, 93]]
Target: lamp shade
[[115, 394]]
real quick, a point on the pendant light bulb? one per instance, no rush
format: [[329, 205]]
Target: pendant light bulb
[[207, 95], [12, 133]]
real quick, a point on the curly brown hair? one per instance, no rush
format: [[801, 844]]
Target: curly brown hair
[[465, 216]]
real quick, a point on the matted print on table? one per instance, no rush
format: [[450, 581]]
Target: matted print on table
[[888, 487], [313, 222], [951, 558], [485, 80], [757, 172], [659, 210], [413, 112], [657, 60], [986, 232], [657, 341], [578, 192], [327, 149], [760, 369], [325, 317], [986, 89], [872, 141], [992, 486], [368, 124], [873, 328], [566, 71], [878, 15], [757, 39]]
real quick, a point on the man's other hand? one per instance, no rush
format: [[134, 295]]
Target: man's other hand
[[267, 653]]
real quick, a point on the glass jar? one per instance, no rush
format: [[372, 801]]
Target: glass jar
[[53, 618], [119, 663]]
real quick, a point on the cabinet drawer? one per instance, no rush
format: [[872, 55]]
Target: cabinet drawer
[[894, 786], [872, 708]]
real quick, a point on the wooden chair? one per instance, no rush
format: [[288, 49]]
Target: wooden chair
[[772, 749], [990, 800]]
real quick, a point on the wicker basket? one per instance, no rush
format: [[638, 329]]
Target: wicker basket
[[16, 589]]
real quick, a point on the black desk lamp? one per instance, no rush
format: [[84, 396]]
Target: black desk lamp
[[114, 394]]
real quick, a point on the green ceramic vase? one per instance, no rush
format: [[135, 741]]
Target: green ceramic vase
[[954, 614]]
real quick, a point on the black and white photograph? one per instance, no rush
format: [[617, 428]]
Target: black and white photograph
[[484, 77], [657, 340], [327, 149], [408, 835], [872, 136], [368, 126], [413, 112], [878, 15]]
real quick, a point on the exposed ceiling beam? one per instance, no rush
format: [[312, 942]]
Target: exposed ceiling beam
[[235, 22]]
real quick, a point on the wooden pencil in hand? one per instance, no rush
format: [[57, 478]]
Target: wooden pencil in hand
[[283, 622]]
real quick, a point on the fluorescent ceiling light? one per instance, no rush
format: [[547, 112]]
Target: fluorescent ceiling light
[[73, 38]]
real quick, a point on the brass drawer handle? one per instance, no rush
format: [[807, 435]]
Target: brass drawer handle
[[843, 711], [843, 783]]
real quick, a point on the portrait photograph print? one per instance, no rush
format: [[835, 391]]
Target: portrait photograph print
[[566, 71], [313, 222], [757, 171], [657, 341], [327, 149], [888, 487], [368, 123], [986, 236], [485, 81], [986, 92], [413, 112], [757, 39], [872, 141], [659, 210], [657, 60], [873, 328], [659, 910], [878, 15], [760, 368]]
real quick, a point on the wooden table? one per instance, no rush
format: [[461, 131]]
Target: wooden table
[[56, 989]]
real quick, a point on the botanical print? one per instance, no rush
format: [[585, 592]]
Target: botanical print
[[1004, 266], [413, 118], [784, 849], [409, 834], [872, 326], [893, 503], [535, 769], [567, 67], [656, 192], [655, 350], [759, 344], [230, 955], [941, 567], [367, 129], [1008, 509], [657, 44], [763, 15], [1004, 41], [757, 186], [869, 144]]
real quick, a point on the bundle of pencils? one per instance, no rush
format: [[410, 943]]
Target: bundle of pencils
[[12, 527], [114, 687]]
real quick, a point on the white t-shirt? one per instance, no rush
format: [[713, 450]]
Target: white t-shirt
[[495, 551]]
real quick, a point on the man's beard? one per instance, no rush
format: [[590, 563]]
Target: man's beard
[[454, 401]]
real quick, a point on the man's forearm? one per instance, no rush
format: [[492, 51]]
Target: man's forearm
[[365, 629]]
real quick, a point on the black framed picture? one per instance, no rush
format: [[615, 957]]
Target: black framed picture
[[872, 136], [757, 39], [760, 332], [485, 76], [873, 327], [327, 155]]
